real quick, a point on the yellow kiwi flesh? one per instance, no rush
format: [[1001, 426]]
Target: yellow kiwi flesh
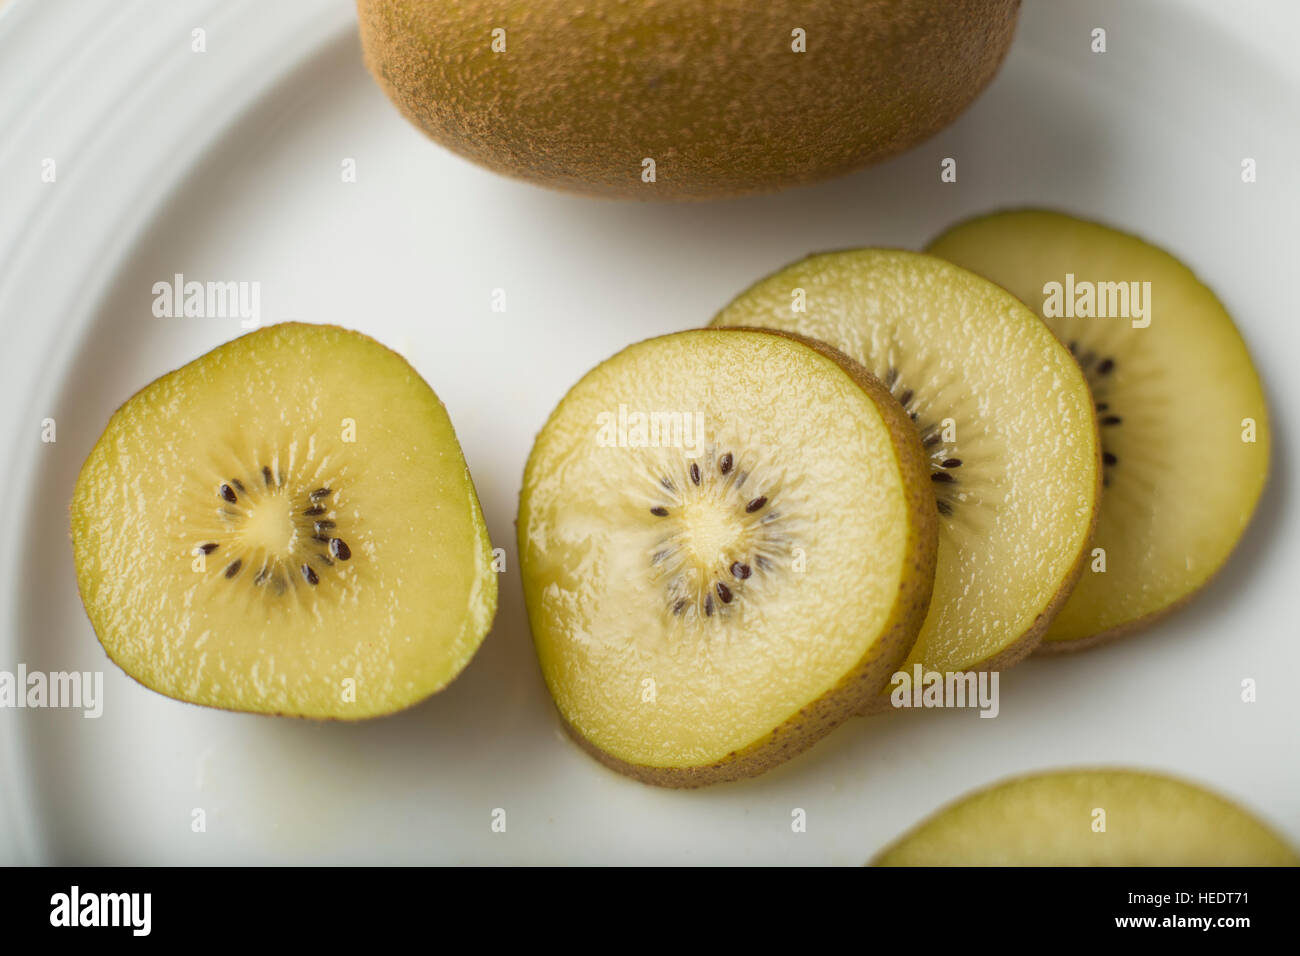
[[709, 598], [1184, 426], [286, 525], [1006, 420], [1091, 818], [725, 97]]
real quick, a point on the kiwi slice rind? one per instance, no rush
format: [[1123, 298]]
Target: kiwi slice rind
[[1177, 397], [1090, 817], [702, 614], [285, 525], [1006, 421]]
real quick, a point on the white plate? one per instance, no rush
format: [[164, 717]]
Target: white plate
[[226, 165]]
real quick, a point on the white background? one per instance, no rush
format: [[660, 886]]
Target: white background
[[225, 165]]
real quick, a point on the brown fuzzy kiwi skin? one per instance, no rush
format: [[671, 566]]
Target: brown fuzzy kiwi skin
[[711, 90], [864, 682]]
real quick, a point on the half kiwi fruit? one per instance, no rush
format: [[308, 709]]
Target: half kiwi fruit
[[1184, 425], [1006, 421], [727, 542], [285, 525], [1091, 818]]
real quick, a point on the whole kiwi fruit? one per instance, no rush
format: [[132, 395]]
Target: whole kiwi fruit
[[682, 99]]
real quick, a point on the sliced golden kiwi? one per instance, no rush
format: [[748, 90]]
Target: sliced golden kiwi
[[285, 525], [1184, 426], [1006, 421], [1091, 818], [727, 542]]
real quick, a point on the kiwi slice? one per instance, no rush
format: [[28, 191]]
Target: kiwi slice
[[1184, 426], [1006, 420], [285, 525], [1091, 818], [727, 542]]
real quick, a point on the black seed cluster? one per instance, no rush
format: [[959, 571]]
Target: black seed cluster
[[1098, 369], [720, 591], [942, 463], [315, 505]]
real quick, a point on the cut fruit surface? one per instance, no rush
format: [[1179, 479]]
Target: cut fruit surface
[[727, 544], [285, 525], [1005, 418], [1091, 818], [1185, 430]]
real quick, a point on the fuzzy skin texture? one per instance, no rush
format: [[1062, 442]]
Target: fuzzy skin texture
[[711, 91], [875, 669]]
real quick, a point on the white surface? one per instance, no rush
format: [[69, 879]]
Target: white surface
[[225, 165]]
